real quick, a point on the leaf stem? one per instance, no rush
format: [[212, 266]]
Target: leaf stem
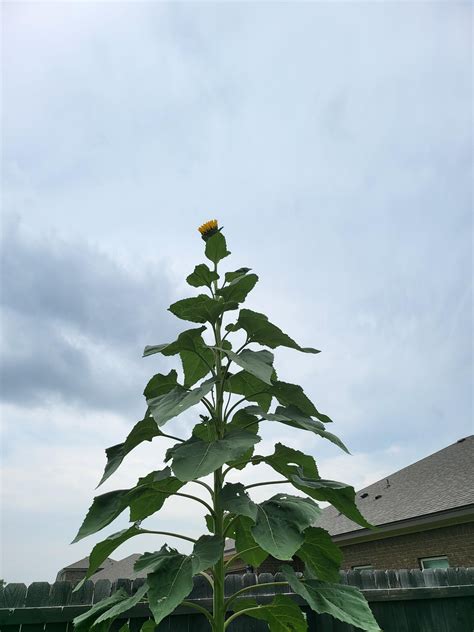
[[171, 534], [231, 559], [206, 613], [199, 500], [267, 483], [251, 587]]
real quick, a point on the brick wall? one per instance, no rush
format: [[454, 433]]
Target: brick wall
[[404, 551]]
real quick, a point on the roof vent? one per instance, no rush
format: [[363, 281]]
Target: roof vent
[[378, 496], [461, 440], [387, 483], [364, 495]]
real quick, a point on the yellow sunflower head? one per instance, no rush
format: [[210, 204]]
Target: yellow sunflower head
[[208, 229]]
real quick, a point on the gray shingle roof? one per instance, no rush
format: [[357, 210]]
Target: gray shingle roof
[[120, 570], [84, 564], [439, 482]]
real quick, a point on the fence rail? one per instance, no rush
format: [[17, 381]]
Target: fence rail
[[433, 600]]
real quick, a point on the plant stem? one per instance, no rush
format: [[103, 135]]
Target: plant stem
[[218, 569]]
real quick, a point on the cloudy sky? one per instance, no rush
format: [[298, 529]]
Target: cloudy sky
[[332, 140]]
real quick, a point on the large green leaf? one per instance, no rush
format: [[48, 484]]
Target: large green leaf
[[261, 330], [122, 606], [161, 384], [201, 308], [251, 387], [343, 602], [147, 496], [216, 248], [293, 395], [245, 544], [202, 276], [242, 419], [206, 552], [85, 621], [282, 614], [238, 289], [235, 499], [169, 405], [300, 469], [170, 581], [322, 558], [195, 458], [103, 549], [293, 417], [144, 430], [340, 495], [280, 523], [197, 359], [186, 341], [258, 363], [104, 509]]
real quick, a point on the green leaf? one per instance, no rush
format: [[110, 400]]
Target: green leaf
[[85, 621], [202, 276], [161, 384], [104, 509], [251, 387], [231, 276], [343, 602], [170, 583], [216, 248], [235, 499], [148, 626], [165, 407], [282, 614], [340, 495], [197, 359], [103, 549], [201, 309], [144, 430], [280, 523], [206, 552], [147, 496], [322, 558], [300, 469], [293, 395], [246, 422], [258, 363], [122, 606], [195, 458], [261, 330], [245, 544], [293, 417], [238, 289]]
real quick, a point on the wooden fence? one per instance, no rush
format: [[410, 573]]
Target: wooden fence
[[434, 600]]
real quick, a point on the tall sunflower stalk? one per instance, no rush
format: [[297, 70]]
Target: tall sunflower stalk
[[236, 386]]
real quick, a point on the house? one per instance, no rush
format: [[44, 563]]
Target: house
[[110, 569], [76, 571], [424, 516]]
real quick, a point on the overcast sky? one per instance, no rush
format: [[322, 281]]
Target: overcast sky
[[332, 140]]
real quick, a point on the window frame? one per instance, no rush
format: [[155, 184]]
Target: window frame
[[362, 567], [432, 558]]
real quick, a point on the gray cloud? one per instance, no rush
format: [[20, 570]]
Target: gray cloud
[[75, 322]]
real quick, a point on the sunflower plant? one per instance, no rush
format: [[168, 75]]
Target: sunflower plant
[[228, 371]]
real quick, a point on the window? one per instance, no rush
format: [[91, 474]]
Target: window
[[434, 562], [364, 567]]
